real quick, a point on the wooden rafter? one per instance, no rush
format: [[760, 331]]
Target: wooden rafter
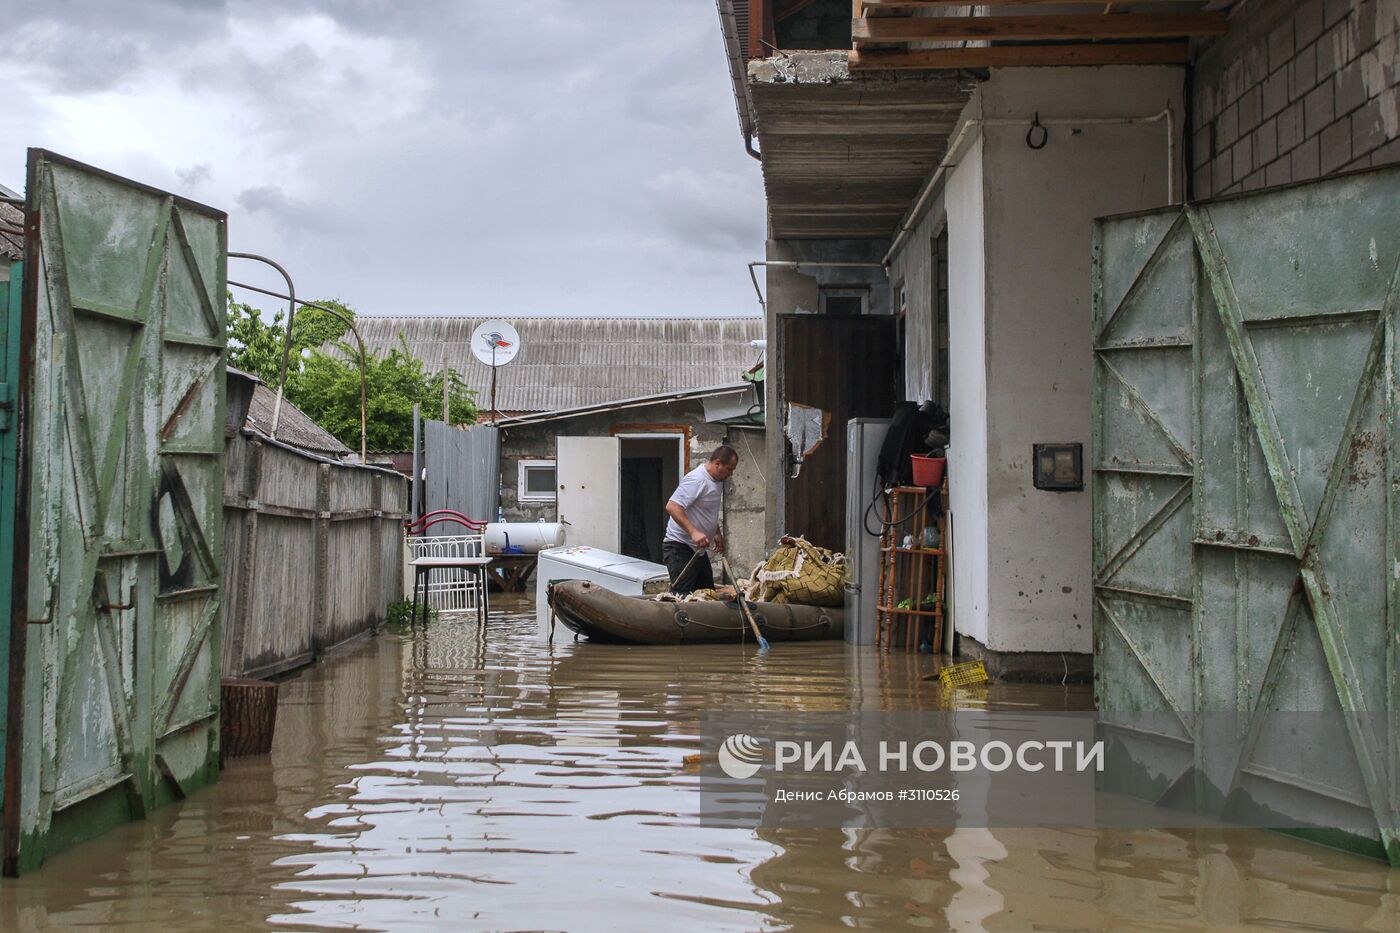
[[1010, 56], [935, 4], [1059, 27], [1101, 33]]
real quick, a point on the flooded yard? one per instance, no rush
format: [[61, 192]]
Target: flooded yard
[[478, 779]]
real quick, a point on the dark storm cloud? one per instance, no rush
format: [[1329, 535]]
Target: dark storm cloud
[[442, 155], [195, 176], [82, 46]]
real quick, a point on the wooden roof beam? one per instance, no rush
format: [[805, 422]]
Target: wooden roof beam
[[1082, 27], [1012, 56], [936, 4]]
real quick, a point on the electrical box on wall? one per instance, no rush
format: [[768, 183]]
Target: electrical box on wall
[[1059, 467]]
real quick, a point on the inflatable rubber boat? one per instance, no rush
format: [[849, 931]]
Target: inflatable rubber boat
[[602, 615]]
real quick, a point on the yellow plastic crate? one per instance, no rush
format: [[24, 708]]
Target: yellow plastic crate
[[964, 675]]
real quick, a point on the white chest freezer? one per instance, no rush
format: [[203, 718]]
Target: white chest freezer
[[629, 576]]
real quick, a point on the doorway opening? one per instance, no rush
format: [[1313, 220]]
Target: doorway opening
[[651, 467], [940, 319]]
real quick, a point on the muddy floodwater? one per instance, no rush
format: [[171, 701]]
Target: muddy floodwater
[[478, 779]]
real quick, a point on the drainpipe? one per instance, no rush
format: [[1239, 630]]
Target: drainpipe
[[788, 264], [735, 51], [915, 213]]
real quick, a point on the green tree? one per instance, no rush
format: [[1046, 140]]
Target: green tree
[[255, 345], [315, 328], [327, 387]]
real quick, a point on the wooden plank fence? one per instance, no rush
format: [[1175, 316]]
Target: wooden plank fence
[[313, 553]]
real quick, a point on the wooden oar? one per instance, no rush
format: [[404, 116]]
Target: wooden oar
[[744, 609]]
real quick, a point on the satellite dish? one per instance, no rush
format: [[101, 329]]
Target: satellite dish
[[495, 343]]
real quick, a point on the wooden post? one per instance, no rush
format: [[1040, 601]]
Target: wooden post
[[320, 621], [758, 14], [247, 567], [914, 622], [377, 525], [415, 504], [940, 619], [247, 717]]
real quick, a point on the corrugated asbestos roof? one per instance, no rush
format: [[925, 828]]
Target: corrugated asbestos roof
[[295, 427], [570, 362]]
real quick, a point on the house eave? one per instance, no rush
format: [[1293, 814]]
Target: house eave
[[844, 153], [621, 404]]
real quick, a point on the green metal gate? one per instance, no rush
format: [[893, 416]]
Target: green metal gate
[[1247, 496], [122, 452], [9, 458]]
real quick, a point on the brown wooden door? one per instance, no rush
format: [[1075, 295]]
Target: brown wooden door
[[844, 366]]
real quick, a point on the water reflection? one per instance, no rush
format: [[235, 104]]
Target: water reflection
[[473, 778]]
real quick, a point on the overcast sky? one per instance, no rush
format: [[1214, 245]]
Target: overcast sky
[[416, 156]]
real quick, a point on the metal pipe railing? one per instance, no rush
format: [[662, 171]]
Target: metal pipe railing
[[429, 519], [287, 343]]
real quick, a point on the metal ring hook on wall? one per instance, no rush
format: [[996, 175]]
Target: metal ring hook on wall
[[1031, 136]]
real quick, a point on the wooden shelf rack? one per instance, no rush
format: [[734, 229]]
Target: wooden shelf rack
[[915, 574]]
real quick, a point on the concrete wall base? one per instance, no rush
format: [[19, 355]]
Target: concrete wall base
[[1036, 667]]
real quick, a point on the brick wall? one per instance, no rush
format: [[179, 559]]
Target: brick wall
[[1297, 89]]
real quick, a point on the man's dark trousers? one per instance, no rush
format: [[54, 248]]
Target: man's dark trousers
[[698, 577]]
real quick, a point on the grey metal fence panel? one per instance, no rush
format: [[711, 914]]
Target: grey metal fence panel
[[463, 468], [1247, 493], [314, 549]]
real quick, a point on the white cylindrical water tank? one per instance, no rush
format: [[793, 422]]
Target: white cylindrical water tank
[[530, 537]]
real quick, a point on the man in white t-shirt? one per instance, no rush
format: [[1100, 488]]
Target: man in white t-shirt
[[694, 526]]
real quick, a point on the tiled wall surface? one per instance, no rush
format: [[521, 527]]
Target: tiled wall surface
[[1298, 89]]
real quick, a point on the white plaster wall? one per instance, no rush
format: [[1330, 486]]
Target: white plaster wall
[[1039, 211], [913, 269], [959, 207], [963, 201]]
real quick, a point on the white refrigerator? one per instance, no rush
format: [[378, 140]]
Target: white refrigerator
[[629, 576], [864, 436]]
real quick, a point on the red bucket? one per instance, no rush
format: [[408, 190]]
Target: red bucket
[[928, 471]]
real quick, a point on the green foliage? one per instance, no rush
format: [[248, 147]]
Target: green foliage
[[315, 328], [254, 345], [399, 615], [327, 387]]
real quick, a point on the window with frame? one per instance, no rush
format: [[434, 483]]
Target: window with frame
[[537, 481]]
